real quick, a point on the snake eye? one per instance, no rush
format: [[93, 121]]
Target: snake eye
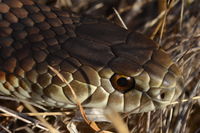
[[122, 83]]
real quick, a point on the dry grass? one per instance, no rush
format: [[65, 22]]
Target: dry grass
[[176, 27]]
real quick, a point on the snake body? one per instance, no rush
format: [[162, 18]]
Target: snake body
[[87, 52]]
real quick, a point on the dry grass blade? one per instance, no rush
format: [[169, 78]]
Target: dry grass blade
[[120, 19], [154, 21], [136, 7], [185, 100], [40, 114], [163, 6], [169, 120], [21, 100], [116, 120], [181, 16], [148, 122], [22, 117], [43, 121], [162, 16], [4, 128]]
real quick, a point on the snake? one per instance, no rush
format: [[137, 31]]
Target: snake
[[106, 65]]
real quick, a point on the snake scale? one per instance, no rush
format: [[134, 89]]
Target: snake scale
[[106, 65]]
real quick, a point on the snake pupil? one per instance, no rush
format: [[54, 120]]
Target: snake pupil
[[122, 82]]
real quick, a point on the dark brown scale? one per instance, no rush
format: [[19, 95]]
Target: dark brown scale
[[4, 23], [27, 2], [27, 63], [70, 29], [19, 12], [98, 32], [37, 17], [37, 46], [39, 56], [50, 14], [62, 38], [41, 68], [44, 8], [10, 64], [17, 45], [66, 20], [13, 3], [35, 38], [19, 35], [48, 34], [2, 77], [5, 41], [54, 22], [17, 26], [32, 76], [27, 22], [32, 30], [51, 41], [59, 30], [4, 8], [22, 53], [43, 26], [19, 72], [31, 9], [10, 17], [6, 52], [5, 31], [44, 80]]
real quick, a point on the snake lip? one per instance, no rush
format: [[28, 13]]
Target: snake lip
[[157, 100], [161, 101]]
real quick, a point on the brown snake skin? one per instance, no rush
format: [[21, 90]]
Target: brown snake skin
[[87, 52]]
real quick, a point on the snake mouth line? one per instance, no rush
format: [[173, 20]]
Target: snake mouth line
[[155, 99]]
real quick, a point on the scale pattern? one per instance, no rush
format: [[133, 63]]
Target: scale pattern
[[87, 52]]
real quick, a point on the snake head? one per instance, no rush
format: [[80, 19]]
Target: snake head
[[145, 74], [129, 71]]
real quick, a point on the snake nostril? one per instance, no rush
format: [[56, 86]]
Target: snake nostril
[[122, 83], [162, 95]]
